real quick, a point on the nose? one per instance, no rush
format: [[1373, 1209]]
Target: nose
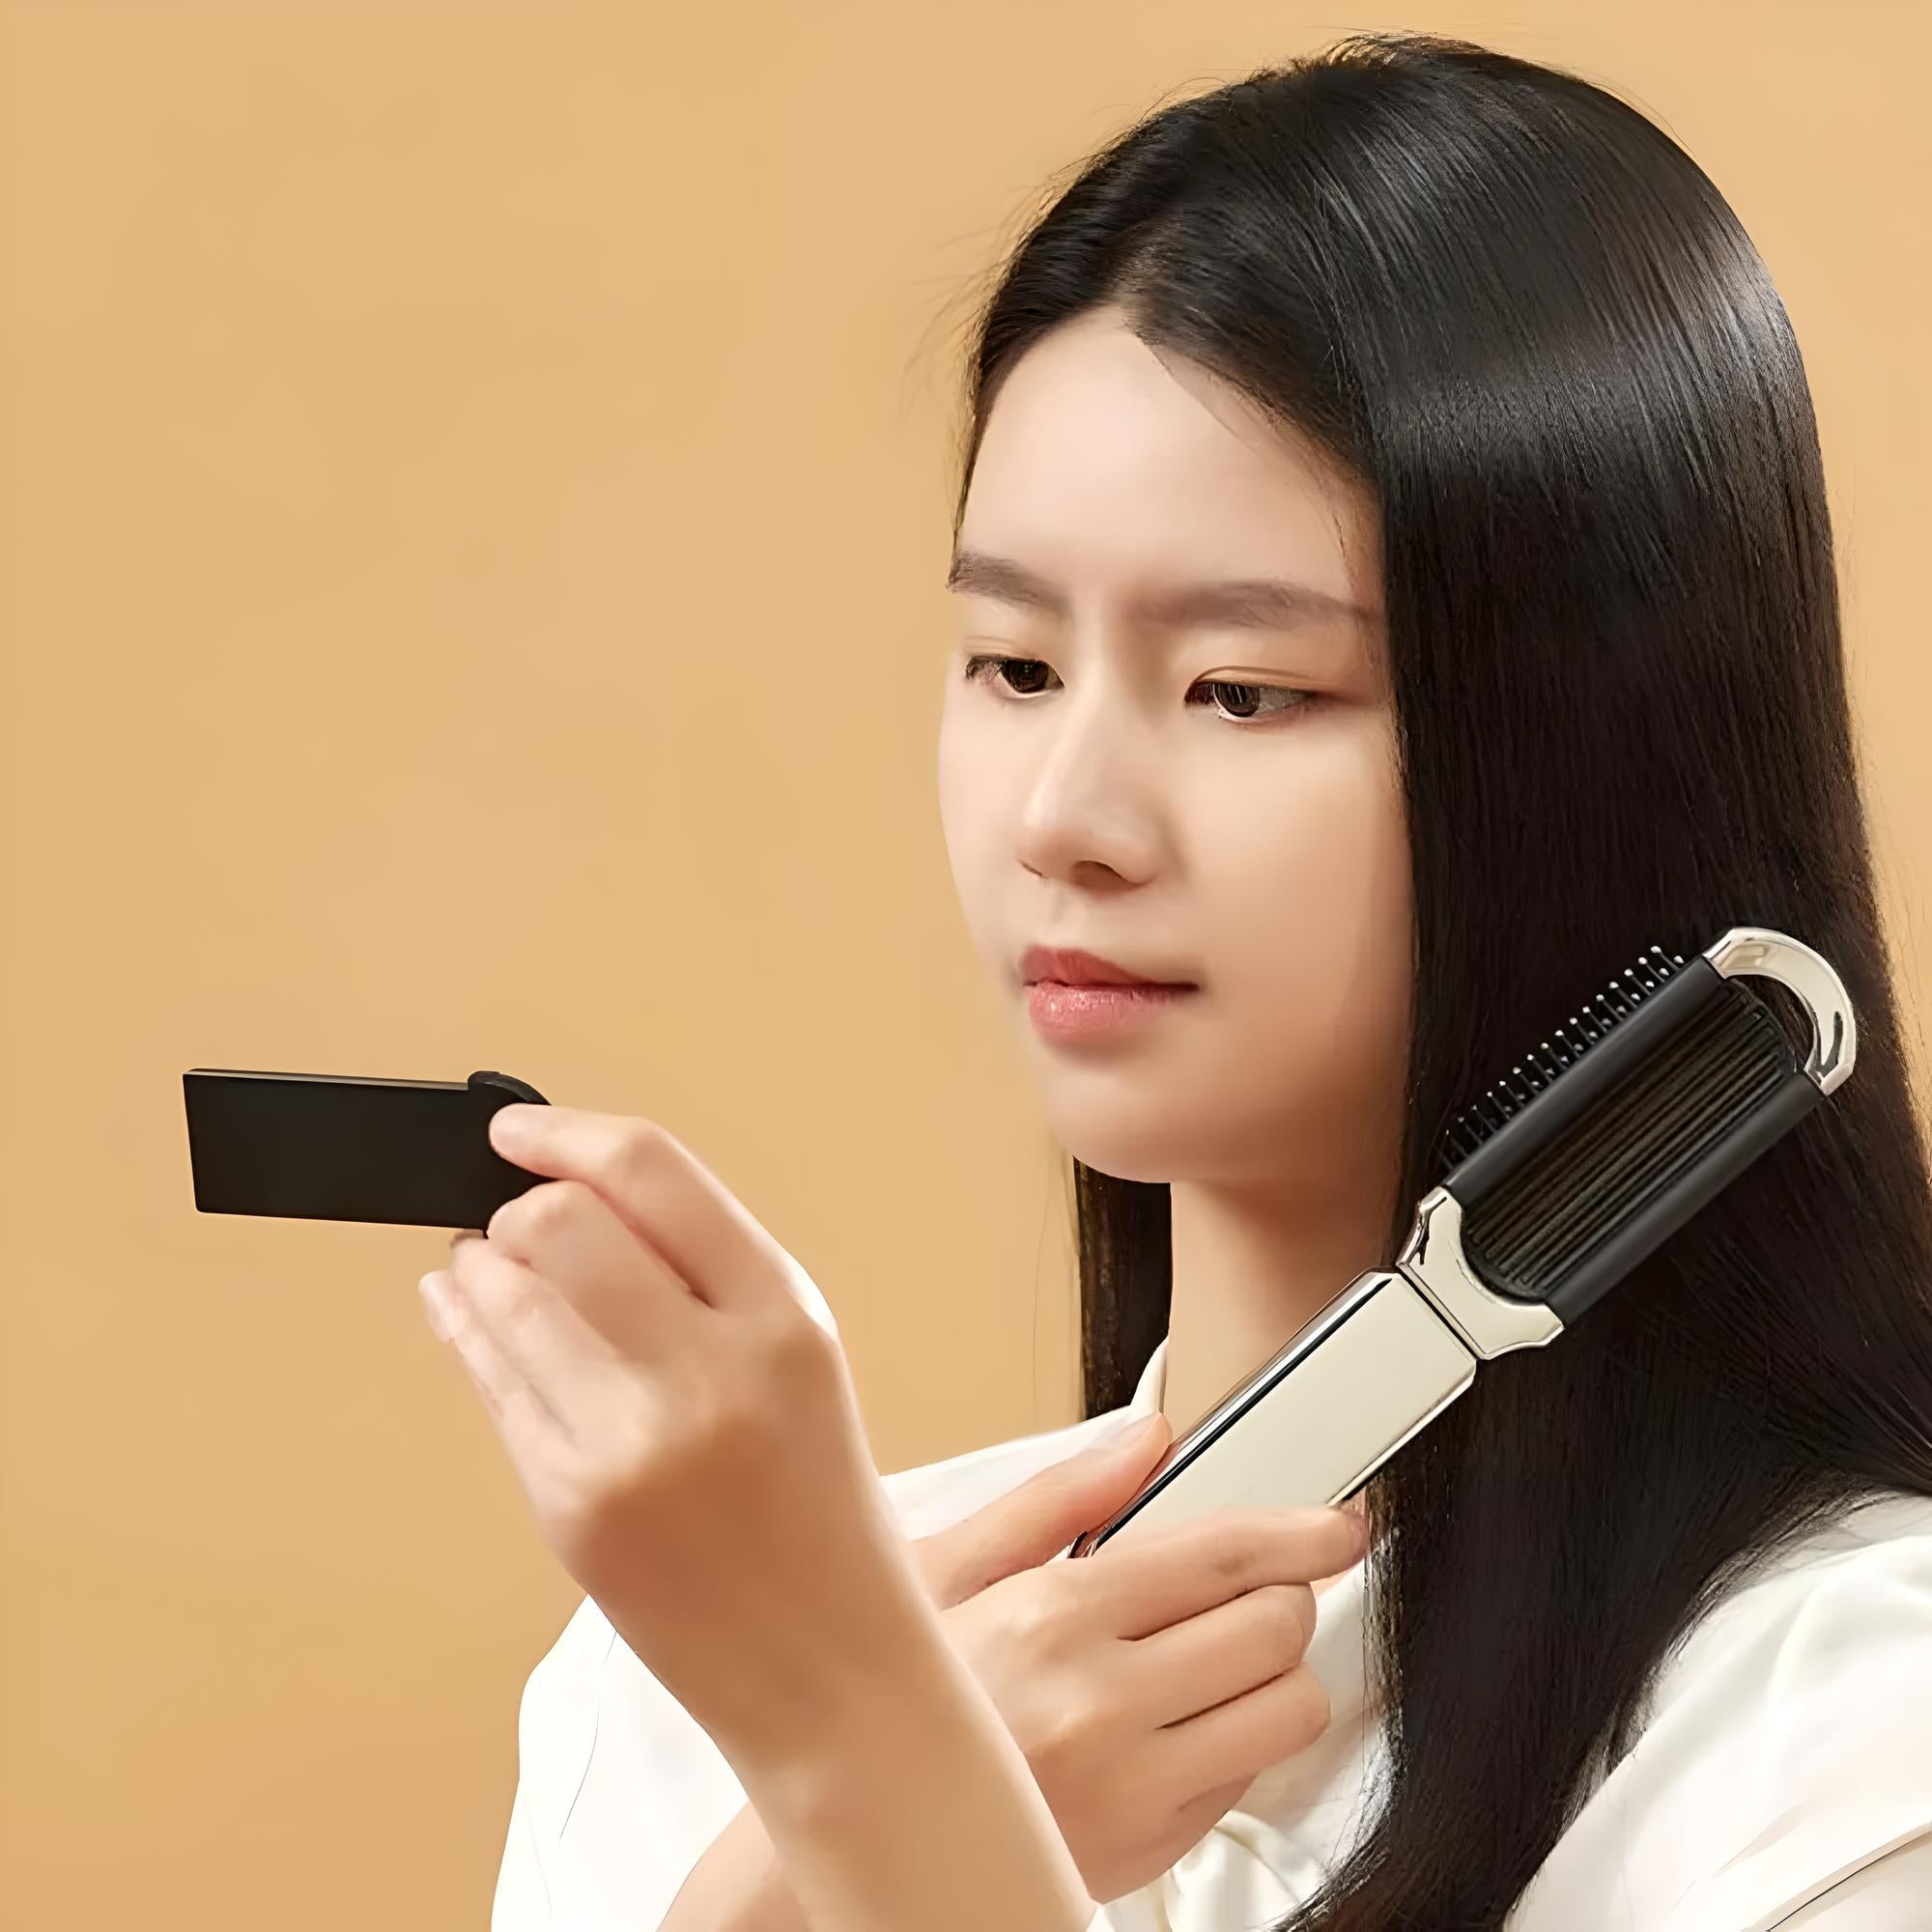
[[1092, 803]]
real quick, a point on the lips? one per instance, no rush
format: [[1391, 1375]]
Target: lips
[[1078, 968]]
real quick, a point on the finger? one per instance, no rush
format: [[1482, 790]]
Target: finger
[[522, 1418], [659, 1188], [1144, 1583], [528, 1350], [1195, 1820], [1245, 1736], [571, 1235], [1195, 1665], [1028, 1525]]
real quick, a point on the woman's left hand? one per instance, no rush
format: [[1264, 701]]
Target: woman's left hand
[[688, 1433]]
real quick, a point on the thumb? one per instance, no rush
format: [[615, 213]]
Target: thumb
[[1044, 1514]]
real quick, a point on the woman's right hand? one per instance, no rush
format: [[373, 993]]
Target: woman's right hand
[[1148, 1683]]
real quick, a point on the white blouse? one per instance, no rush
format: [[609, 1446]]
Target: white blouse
[[1784, 1778]]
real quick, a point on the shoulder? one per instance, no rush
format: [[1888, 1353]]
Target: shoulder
[[1865, 1574], [1844, 1608], [1788, 1741]]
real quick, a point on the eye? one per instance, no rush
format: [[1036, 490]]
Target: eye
[[979, 668]]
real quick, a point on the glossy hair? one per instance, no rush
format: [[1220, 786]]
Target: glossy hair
[[1526, 320]]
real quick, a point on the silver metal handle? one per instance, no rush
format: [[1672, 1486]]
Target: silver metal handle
[[1318, 1419]]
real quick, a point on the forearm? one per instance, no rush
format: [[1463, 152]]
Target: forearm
[[738, 1886], [915, 1806]]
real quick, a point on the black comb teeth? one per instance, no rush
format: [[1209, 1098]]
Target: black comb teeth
[[1567, 1044]]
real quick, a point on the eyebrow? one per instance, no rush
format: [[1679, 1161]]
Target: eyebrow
[[1256, 603]]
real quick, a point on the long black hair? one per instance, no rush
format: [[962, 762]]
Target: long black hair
[[1526, 320]]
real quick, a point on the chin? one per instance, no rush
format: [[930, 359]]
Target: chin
[[1155, 1151]]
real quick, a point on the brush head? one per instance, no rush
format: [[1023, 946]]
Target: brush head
[[1567, 1044], [1617, 1128]]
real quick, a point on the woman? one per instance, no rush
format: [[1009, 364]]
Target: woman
[[1476, 359]]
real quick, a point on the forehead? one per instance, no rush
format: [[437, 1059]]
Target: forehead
[[1109, 463]]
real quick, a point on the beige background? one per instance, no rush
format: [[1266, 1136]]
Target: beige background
[[473, 509]]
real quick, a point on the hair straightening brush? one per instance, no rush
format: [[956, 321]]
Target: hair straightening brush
[[1608, 1137]]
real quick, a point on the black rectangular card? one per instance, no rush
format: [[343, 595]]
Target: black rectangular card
[[338, 1146]]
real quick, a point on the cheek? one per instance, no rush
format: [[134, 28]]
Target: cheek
[[1316, 935]]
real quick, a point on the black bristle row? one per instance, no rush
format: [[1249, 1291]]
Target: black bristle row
[[1567, 1044]]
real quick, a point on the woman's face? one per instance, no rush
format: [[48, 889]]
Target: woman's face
[[1149, 784]]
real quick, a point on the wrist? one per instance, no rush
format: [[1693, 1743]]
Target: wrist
[[901, 1686], [914, 1804], [801, 1683]]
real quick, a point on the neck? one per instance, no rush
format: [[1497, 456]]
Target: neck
[[1256, 1260]]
